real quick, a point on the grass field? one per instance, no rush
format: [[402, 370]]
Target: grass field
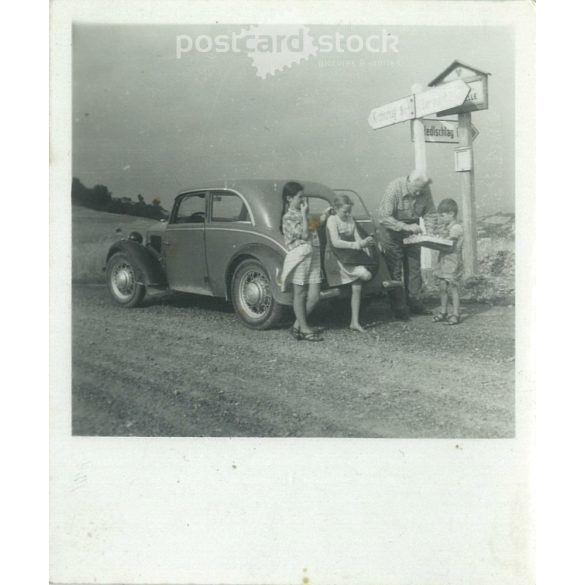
[[93, 232]]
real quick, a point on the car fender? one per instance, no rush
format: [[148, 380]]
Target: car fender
[[148, 266], [270, 258]]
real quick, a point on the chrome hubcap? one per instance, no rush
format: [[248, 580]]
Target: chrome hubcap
[[123, 280], [252, 293], [255, 295]]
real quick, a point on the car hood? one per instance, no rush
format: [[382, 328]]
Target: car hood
[[156, 228]]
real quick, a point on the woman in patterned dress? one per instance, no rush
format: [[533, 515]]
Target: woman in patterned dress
[[306, 274]]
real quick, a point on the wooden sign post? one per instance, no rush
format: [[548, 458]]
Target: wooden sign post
[[477, 99], [418, 136], [460, 90], [467, 182], [420, 163]]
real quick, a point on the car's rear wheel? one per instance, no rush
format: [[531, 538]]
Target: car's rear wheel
[[122, 283], [252, 296]]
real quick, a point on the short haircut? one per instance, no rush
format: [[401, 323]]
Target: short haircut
[[419, 175], [341, 200], [448, 206]]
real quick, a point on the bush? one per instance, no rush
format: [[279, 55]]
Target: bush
[[100, 199]]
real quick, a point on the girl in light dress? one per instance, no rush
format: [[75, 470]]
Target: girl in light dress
[[347, 247]]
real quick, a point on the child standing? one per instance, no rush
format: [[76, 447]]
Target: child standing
[[450, 265], [343, 237], [303, 261]]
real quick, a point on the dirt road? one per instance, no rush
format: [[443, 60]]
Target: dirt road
[[186, 366]]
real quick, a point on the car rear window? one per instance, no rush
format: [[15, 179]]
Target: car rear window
[[228, 207], [317, 204]]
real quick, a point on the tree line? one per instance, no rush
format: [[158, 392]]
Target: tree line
[[99, 197]]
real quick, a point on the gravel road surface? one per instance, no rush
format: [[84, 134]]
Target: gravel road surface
[[186, 366]]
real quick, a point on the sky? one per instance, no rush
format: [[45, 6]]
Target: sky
[[151, 120]]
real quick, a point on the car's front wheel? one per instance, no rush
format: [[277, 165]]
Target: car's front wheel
[[121, 279], [252, 296]]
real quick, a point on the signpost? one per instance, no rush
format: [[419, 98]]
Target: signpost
[[418, 137], [463, 159], [467, 182], [393, 113], [441, 98], [419, 105], [459, 89], [474, 133], [446, 131], [476, 80], [477, 99]]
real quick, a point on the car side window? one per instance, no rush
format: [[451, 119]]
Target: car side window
[[317, 205], [228, 207], [191, 209]]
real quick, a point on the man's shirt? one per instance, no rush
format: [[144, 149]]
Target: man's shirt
[[398, 205]]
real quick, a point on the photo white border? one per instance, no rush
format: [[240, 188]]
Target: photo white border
[[348, 511]]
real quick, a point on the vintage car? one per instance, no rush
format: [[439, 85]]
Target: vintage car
[[224, 240]]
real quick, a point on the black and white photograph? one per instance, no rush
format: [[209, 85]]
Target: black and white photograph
[[292, 235], [293, 231]]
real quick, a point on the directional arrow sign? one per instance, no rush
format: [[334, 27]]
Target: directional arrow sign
[[441, 97], [477, 98], [441, 130], [393, 113], [474, 133]]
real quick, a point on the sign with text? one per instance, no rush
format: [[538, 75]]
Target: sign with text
[[440, 130], [477, 99], [441, 97], [399, 111]]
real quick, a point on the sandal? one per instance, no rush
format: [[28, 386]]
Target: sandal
[[439, 317], [453, 320], [296, 333], [310, 336]]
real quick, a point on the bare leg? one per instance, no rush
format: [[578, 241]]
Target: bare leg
[[299, 307], [356, 298], [313, 297], [443, 293], [455, 298], [311, 302]]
